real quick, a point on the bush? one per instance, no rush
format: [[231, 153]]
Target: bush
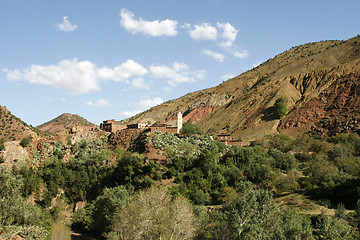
[[25, 141], [280, 107], [189, 128]]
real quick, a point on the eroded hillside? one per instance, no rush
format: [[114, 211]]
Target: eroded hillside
[[241, 105], [64, 121], [13, 128]]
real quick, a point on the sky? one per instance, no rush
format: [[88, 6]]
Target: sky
[[111, 59]]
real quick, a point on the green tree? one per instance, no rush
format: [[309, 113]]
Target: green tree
[[330, 228], [17, 217], [280, 108], [253, 214], [98, 215], [189, 128], [154, 214], [25, 141]]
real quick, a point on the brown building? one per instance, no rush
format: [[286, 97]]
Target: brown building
[[163, 128], [227, 139], [136, 126], [112, 126]]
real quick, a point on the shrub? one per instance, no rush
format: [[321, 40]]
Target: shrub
[[280, 108], [25, 141], [189, 128]]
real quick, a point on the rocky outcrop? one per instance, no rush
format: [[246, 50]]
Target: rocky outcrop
[[124, 138], [14, 154], [335, 110]]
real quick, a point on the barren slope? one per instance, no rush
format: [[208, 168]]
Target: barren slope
[[240, 106], [64, 121], [13, 128]]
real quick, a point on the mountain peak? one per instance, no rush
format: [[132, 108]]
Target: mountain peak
[[64, 121]]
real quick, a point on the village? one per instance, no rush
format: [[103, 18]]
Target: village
[[113, 126]]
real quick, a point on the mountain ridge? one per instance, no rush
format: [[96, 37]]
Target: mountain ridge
[[238, 105], [13, 128], [64, 121]]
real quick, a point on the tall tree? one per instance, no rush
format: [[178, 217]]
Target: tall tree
[[154, 214]]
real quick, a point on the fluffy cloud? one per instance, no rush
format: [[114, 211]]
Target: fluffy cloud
[[77, 77], [227, 77], [128, 114], [98, 103], [123, 72], [149, 103], [228, 34], [142, 106], [155, 28], [205, 31], [66, 25], [241, 54], [217, 56], [140, 83], [178, 73]]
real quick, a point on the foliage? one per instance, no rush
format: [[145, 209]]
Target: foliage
[[332, 228], [240, 179], [25, 141], [130, 170], [98, 215], [16, 216], [80, 178], [280, 108], [253, 214], [154, 214], [281, 142], [2, 146], [283, 161], [188, 129]]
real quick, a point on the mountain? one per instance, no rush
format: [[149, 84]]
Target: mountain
[[64, 121], [307, 76], [13, 128]]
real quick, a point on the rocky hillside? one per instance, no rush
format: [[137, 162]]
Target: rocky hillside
[[241, 105], [13, 128], [335, 110], [63, 122]]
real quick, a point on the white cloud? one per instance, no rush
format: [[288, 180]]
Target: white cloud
[[178, 73], [128, 114], [66, 25], [228, 34], [254, 65], [140, 83], [149, 103], [155, 28], [77, 77], [142, 106], [123, 72], [217, 56], [227, 77], [241, 54], [205, 31], [98, 103]]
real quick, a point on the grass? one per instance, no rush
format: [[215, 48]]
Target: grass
[[302, 204]]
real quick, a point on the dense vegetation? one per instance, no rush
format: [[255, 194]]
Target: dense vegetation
[[218, 192]]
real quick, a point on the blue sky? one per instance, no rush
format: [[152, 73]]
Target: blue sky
[[111, 59]]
